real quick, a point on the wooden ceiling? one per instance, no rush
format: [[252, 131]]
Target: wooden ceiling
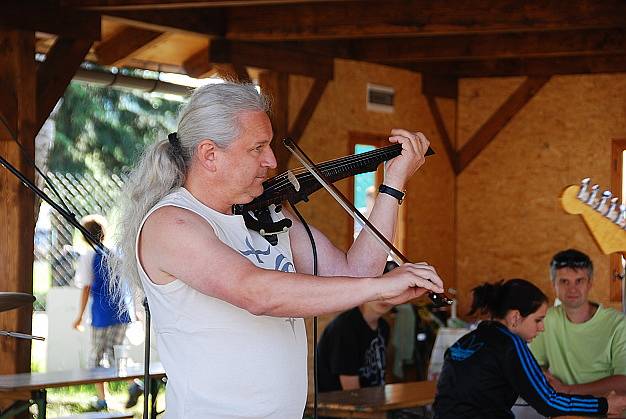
[[481, 38]]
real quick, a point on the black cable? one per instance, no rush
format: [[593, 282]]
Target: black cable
[[146, 363], [314, 249]]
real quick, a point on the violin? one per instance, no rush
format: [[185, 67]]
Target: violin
[[297, 185], [437, 299]]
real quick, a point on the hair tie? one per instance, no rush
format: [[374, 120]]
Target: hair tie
[[175, 143]]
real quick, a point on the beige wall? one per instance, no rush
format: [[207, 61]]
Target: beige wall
[[510, 221]]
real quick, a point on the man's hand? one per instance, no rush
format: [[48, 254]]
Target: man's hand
[[399, 169], [410, 281], [617, 404]]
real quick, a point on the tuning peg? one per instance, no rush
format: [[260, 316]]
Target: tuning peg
[[621, 217], [602, 205], [584, 186], [612, 208], [592, 195]]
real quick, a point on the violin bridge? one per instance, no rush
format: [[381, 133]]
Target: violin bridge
[[294, 180]]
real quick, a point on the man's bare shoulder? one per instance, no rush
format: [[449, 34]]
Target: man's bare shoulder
[[172, 222]]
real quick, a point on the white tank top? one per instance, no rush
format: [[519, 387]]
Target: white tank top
[[222, 361]]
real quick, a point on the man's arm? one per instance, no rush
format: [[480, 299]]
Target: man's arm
[[349, 382], [597, 388], [365, 257], [178, 244]]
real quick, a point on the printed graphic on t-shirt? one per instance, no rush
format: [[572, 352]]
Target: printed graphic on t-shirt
[[372, 373], [281, 263]]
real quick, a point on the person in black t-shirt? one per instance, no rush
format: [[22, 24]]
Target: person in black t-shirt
[[351, 351]]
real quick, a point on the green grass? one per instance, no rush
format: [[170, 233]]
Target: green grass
[[65, 401]]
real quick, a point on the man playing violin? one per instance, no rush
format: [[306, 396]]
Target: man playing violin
[[227, 306]]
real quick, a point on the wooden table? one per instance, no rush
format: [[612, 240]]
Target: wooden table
[[30, 388], [375, 402]]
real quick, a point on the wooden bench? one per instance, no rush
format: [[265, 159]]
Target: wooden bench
[[99, 415]]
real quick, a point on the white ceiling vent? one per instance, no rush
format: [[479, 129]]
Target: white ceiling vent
[[380, 98]]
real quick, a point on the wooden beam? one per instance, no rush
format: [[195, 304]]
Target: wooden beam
[[308, 107], [210, 22], [124, 43], [198, 64], [8, 94], [17, 203], [54, 74], [440, 86], [276, 86], [524, 66], [270, 57], [488, 131], [443, 133], [357, 19], [43, 16], [549, 43], [105, 5]]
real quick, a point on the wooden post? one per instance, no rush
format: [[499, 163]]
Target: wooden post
[[17, 224]]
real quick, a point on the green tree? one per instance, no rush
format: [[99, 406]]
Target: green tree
[[102, 129]]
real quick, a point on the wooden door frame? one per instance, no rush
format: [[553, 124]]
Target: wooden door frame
[[618, 146]]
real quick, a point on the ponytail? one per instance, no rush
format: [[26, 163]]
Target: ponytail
[[499, 298]]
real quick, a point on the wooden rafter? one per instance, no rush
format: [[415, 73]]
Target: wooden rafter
[[123, 44], [308, 107], [43, 16], [54, 74], [524, 66], [488, 131], [470, 46], [399, 17], [446, 139], [210, 22], [107, 5], [270, 57]]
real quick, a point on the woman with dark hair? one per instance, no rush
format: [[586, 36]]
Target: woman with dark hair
[[486, 370]]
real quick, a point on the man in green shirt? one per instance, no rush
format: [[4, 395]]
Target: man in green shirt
[[583, 347]]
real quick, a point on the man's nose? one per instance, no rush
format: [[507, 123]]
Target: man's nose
[[269, 160]]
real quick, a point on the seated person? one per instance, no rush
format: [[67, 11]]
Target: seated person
[[351, 350], [584, 345], [486, 370]]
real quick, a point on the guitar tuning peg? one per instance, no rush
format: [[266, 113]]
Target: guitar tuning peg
[[592, 195], [621, 217], [602, 205], [612, 208], [584, 189]]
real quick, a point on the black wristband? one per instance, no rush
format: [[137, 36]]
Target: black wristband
[[399, 195]]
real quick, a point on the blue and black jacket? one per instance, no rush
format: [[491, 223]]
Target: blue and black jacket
[[486, 370]]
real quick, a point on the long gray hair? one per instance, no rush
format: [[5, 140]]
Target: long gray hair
[[211, 113]]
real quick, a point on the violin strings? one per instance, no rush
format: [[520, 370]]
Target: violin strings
[[281, 180]]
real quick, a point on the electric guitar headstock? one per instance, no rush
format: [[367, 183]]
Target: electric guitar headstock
[[603, 214]]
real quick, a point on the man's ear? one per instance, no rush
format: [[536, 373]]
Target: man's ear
[[206, 154]]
